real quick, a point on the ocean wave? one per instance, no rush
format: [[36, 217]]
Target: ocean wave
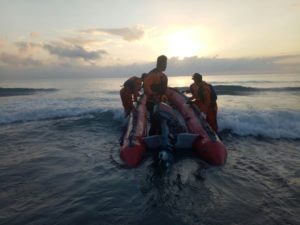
[[244, 90], [47, 114], [271, 124], [268, 123], [234, 90], [23, 91]]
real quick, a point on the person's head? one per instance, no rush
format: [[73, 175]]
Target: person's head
[[161, 64], [197, 77]]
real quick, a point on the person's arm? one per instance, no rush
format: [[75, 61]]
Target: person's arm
[[207, 99], [147, 85], [192, 91], [137, 88]]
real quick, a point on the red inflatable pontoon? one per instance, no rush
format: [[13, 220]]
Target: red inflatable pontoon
[[133, 148], [208, 145], [200, 137]]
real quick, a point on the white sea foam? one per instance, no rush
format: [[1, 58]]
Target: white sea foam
[[269, 110], [273, 124], [47, 109]]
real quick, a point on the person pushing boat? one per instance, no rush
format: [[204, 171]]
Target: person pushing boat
[[205, 98], [130, 93]]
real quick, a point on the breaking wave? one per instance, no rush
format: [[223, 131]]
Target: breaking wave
[[271, 124], [244, 90], [23, 91], [47, 114]]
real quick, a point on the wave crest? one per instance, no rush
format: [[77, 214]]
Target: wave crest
[[244, 90], [46, 114], [271, 124], [23, 91]]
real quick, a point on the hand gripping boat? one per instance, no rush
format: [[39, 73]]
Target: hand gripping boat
[[180, 125]]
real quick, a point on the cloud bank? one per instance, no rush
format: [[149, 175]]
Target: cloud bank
[[26, 47], [217, 65], [128, 34], [34, 34], [175, 67], [74, 52], [16, 60]]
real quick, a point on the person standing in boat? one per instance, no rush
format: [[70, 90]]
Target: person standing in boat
[[130, 93], [155, 86], [205, 98], [156, 83]]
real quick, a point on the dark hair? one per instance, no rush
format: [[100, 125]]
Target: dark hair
[[197, 77], [162, 58], [161, 63]]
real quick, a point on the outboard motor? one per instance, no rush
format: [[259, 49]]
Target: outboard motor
[[167, 127]]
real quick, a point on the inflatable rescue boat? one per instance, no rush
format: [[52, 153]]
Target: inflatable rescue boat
[[178, 125]]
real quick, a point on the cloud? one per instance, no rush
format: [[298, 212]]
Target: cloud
[[83, 41], [128, 34], [16, 60], [187, 66], [26, 47], [1, 42], [74, 51], [34, 34], [289, 59], [216, 65]]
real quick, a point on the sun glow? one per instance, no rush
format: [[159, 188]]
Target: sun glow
[[184, 43]]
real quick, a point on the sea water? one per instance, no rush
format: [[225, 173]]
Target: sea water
[[59, 156]]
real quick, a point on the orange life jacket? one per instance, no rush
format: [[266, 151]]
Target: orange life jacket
[[201, 94], [206, 101], [155, 85], [130, 92]]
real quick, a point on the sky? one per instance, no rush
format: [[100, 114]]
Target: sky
[[60, 38]]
